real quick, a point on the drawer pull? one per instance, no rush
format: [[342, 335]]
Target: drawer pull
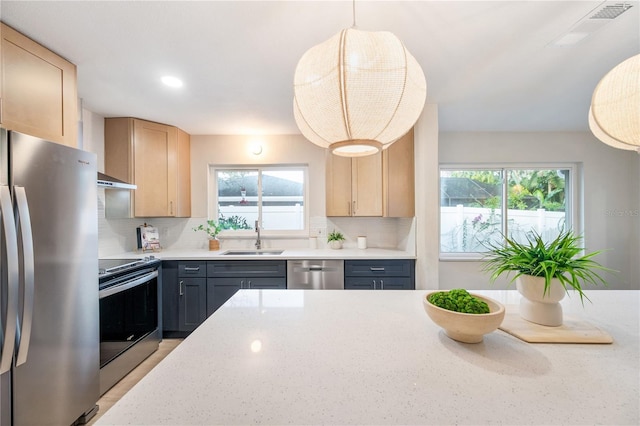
[[191, 269], [377, 269]]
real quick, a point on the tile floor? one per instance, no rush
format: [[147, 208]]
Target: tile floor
[[115, 393]]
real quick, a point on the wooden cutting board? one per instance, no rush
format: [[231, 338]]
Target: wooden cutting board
[[571, 331]]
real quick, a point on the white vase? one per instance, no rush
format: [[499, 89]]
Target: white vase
[[335, 244], [535, 305]]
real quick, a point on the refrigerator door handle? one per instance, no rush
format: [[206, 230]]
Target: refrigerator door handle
[[8, 227], [23, 224]]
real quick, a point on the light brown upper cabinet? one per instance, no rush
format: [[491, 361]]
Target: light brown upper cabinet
[[354, 185], [398, 178], [380, 185], [38, 90], [155, 157]]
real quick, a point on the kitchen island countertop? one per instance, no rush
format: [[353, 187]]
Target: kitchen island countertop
[[296, 253], [374, 357]]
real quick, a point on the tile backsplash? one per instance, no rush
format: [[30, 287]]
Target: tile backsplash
[[119, 235]]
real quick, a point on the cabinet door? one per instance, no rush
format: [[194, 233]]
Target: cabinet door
[[219, 290], [267, 283], [39, 94], [338, 181], [354, 185], [183, 175], [395, 283], [351, 283], [170, 296], [154, 169], [193, 302], [399, 178], [366, 185]]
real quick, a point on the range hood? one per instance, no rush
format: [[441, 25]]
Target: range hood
[[105, 181]]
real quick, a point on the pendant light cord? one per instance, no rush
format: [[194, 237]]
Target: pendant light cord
[[353, 6]]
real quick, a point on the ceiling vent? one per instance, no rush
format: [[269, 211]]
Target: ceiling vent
[[611, 11], [590, 23]]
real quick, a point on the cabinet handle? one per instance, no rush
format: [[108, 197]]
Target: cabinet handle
[[191, 269], [381, 284], [376, 269], [249, 284], [181, 292], [241, 283], [171, 208], [374, 284], [354, 208]]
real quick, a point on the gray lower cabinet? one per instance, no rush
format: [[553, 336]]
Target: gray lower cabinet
[[224, 278], [379, 274], [193, 290], [184, 298]]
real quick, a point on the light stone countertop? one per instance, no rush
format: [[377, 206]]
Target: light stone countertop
[[375, 357], [203, 254]]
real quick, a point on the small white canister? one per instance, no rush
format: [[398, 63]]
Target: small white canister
[[362, 242]]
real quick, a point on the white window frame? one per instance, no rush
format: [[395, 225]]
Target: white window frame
[[573, 194], [212, 200]]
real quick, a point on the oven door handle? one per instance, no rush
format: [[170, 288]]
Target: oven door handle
[[128, 284]]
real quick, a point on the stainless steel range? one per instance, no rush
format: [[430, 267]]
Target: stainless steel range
[[130, 315]]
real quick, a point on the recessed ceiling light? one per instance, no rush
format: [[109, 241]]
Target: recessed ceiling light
[[172, 81]]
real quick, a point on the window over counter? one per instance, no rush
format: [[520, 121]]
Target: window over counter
[[478, 205], [275, 196]]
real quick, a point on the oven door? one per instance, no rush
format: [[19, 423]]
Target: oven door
[[128, 313]]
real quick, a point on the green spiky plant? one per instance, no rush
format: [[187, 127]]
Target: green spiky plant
[[559, 259]]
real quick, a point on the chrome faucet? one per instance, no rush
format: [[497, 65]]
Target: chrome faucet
[[258, 242]]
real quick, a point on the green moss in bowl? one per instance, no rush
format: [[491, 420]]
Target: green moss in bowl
[[459, 300]]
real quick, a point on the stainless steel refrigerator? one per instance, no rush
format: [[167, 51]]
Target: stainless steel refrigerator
[[49, 327]]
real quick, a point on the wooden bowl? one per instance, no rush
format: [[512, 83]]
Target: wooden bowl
[[466, 328]]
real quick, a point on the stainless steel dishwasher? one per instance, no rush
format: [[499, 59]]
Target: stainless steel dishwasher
[[315, 274]]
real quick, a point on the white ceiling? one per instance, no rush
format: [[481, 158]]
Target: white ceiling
[[489, 64]]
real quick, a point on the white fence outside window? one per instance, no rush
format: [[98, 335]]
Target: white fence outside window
[[464, 229]]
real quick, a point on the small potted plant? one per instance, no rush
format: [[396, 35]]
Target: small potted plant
[[544, 272], [335, 239], [212, 228]]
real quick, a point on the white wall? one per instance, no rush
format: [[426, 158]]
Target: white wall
[[609, 188], [226, 150], [611, 195], [118, 235], [427, 198]]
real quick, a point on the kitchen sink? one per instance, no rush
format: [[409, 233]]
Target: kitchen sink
[[252, 252]]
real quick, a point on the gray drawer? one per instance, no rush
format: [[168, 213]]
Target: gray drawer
[[379, 268], [194, 269]]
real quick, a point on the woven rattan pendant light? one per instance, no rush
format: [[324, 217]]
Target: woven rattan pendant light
[[614, 116], [358, 92]]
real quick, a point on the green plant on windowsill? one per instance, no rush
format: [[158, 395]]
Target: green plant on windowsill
[[212, 228]]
